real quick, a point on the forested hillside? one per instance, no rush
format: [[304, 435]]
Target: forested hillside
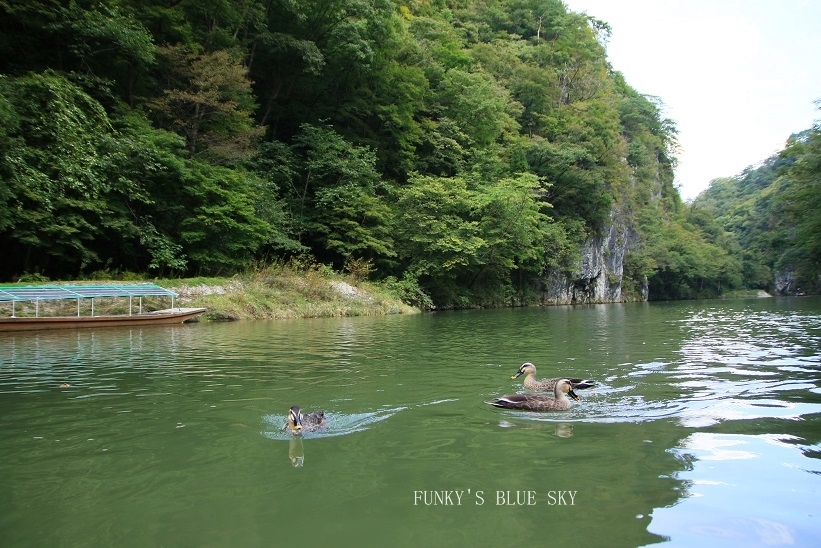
[[465, 149], [769, 217]]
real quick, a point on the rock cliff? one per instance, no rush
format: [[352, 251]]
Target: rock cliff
[[598, 274], [785, 282]]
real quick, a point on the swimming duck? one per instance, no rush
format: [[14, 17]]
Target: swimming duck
[[545, 385], [298, 423], [539, 402]]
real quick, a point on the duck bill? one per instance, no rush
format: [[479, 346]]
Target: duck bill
[[517, 375], [573, 395]]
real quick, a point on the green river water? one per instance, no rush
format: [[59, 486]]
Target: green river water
[[704, 430]]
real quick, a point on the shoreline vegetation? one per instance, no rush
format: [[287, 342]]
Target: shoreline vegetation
[[472, 154], [276, 292], [301, 295], [281, 291], [280, 294]]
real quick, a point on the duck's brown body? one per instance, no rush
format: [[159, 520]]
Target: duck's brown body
[[539, 402], [315, 420], [546, 385]]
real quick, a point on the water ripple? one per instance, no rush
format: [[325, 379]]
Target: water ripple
[[339, 424], [759, 364]]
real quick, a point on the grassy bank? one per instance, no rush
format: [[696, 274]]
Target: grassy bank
[[286, 291]]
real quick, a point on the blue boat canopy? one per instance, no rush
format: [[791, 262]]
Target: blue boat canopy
[[33, 293]]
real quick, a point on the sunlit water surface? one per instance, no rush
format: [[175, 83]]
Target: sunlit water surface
[[704, 430]]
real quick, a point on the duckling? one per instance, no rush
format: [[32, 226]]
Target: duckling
[[298, 423], [539, 402], [545, 385]]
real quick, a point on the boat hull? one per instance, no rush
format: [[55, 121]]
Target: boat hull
[[158, 317]]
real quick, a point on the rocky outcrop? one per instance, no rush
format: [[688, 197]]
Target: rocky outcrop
[[785, 282], [789, 282], [597, 277]]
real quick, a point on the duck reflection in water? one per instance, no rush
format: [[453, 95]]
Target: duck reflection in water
[[561, 430], [296, 424], [296, 452], [564, 430]]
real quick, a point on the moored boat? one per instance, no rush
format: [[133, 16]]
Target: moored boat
[[32, 296]]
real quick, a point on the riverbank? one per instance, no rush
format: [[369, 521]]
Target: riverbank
[[283, 292], [280, 291]]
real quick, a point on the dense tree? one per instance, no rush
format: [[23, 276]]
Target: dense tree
[[56, 173], [769, 214], [208, 99], [465, 148], [463, 238], [334, 197], [801, 200]]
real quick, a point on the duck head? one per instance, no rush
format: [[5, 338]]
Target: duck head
[[526, 368], [295, 418], [564, 386]]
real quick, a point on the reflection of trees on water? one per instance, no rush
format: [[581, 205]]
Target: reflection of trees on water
[[95, 357]]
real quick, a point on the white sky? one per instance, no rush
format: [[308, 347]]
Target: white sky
[[737, 76]]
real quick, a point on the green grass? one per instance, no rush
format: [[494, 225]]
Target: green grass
[[285, 291]]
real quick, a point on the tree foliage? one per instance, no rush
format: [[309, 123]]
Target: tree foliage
[[465, 148], [207, 98], [768, 216], [801, 201]]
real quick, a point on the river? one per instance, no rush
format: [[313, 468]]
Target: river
[[704, 428]]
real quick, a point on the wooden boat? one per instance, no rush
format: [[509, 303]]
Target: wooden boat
[[170, 315], [28, 295]]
